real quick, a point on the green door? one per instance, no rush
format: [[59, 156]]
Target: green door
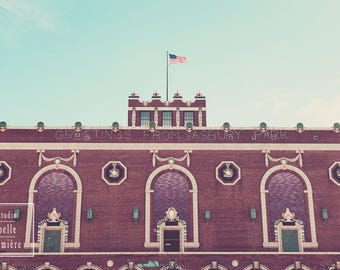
[[290, 241], [52, 241]]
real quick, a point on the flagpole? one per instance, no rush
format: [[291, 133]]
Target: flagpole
[[167, 75]]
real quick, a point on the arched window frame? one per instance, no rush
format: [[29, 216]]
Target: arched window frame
[[149, 190], [250, 267], [219, 267], [89, 265], [263, 191], [29, 221], [292, 267], [47, 266]]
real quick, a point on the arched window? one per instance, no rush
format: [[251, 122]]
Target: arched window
[[261, 267], [173, 188], [47, 266], [89, 266], [287, 191], [54, 190], [214, 265], [292, 267]]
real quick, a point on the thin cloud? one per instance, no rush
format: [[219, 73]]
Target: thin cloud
[[27, 11], [323, 111], [276, 103]]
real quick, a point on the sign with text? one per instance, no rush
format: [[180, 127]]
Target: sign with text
[[13, 229]]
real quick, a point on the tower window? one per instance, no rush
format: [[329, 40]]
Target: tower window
[[167, 119], [188, 117], [144, 118]]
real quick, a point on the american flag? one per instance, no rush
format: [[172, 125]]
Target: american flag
[[175, 59]]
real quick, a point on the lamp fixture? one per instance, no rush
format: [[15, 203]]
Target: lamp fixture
[[3, 126], [226, 126], [115, 126], [252, 214], [135, 214], [89, 214], [78, 126], [16, 214], [152, 126], [189, 126], [299, 127], [40, 126], [263, 127], [324, 213], [207, 216]]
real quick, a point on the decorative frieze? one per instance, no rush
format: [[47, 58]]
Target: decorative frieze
[[170, 160], [57, 160], [283, 160]]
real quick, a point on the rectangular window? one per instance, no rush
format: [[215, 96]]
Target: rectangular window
[[144, 119], [167, 119], [188, 117]]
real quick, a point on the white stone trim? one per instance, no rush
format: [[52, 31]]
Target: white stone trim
[[238, 171], [126, 267], [89, 265], [28, 241], [250, 267], [292, 267], [213, 253], [179, 228], [335, 181], [189, 108], [219, 267], [172, 146], [47, 266], [121, 181], [296, 227], [204, 128], [309, 191], [9, 172], [148, 191], [45, 228]]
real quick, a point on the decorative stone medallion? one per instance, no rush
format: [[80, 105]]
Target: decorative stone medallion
[[334, 172], [114, 173], [228, 173], [5, 172], [171, 214]]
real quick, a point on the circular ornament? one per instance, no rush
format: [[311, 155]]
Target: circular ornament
[[234, 263], [109, 263], [171, 214]]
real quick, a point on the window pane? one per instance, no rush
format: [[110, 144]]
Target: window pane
[[167, 119], [188, 117], [144, 118]]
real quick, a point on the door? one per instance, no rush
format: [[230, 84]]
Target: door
[[290, 242], [171, 240], [52, 240]]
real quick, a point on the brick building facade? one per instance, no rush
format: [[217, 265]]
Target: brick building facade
[[168, 192]]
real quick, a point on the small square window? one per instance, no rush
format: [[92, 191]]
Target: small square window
[[167, 119]]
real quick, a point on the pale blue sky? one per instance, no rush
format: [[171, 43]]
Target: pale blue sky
[[63, 61]]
